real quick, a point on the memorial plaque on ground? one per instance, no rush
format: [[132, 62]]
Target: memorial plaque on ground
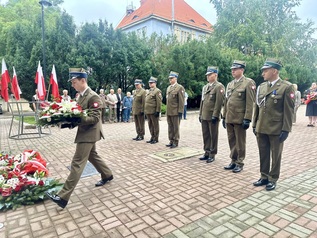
[[170, 155]]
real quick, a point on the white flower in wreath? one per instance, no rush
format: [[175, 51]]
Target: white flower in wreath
[[76, 111], [13, 182]]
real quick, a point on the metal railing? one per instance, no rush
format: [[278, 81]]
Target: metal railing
[[19, 111]]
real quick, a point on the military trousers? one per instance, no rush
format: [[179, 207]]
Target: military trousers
[[173, 123], [270, 145], [210, 137], [139, 122], [154, 126], [84, 152], [112, 114], [237, 141]]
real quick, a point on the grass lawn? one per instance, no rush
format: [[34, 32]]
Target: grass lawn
[[29, 120]]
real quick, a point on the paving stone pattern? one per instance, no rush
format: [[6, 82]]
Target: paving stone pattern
[[182, 198]]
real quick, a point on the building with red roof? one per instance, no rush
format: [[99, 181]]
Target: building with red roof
[[166, 17]]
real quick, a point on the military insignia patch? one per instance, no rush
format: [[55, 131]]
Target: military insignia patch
[[292, 95], [253, 87], [96, 105], [221, 90]]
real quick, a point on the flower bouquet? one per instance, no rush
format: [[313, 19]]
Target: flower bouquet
[[64, 114], [23, 179], [310, 97]]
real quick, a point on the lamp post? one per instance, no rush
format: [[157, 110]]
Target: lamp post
[[44, 3]]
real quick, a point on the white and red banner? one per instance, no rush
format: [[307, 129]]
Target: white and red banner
[[15, 88], [5, 79], [39, 80], [54, 83]]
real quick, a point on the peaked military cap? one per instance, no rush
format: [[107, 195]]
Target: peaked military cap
[[153, 80], [212, 69], [173, 74], [272, 63], [138, 81], [238, 64], [77, 73]]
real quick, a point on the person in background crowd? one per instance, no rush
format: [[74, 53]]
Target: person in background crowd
[[237, 113], [65, 96], [272, 121], [88, 133], [35, 101], [103, 98], [185, 105], [212, 99], [112, 103], [298, 101], [127, 107], [174, 108], [138, 109], [152, 109], [311, 102], [120, 97], [76, 97]]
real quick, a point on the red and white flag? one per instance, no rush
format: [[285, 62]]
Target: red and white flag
[[54, 83], [15, 88], [5, 79], [39, 80]]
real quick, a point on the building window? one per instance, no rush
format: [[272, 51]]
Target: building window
[[141, 31]]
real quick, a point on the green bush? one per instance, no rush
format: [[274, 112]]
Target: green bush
[[163, 109]]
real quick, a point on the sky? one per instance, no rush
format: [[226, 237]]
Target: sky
[[114, 10]]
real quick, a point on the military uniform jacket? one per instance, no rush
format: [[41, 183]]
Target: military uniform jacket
[[274, 108], [90, 129], [153, 101], [239, 102], [212, 101], [174, 100], [138, 101]]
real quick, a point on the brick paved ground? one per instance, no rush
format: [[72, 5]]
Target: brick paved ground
[[184, 198]]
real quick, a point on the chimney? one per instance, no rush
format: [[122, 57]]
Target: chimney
[[130, 9]]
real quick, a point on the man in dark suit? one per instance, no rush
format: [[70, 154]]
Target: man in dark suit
[[120, 97], [273, 114], [88, 133]]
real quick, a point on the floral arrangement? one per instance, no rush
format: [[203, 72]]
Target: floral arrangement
[[61, 112], [23, 179], [310, 97]]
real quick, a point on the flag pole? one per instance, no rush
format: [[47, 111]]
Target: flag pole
[[48, 91]]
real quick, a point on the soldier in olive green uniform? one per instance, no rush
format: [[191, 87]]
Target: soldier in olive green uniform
[[238, 108], [174, 108], [152, 109], [209, 113], [89, 131], [138, 109], [273, 113]]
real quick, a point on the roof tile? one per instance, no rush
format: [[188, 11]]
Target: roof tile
[[183, 13]]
